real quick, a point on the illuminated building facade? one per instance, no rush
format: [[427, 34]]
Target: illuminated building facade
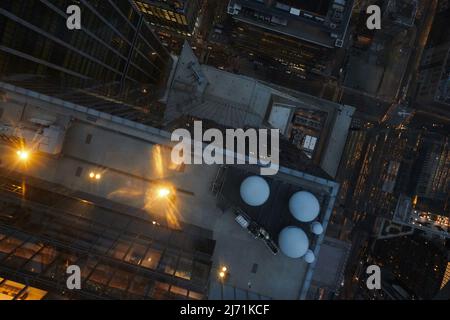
[[43, 232], [172, 20], [399, 174], [175, 15], [420, 273], [114, 54]]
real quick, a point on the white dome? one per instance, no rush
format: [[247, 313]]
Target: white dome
[[304, 206], [293, 242], [309, 257], [316, 228], [255, 191]]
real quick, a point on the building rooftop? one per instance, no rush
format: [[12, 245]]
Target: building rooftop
[[322, 22], [134, 162], [331, 263], [316, 126], [403, 12]]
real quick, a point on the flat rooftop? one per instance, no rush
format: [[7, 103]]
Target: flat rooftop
[[236, 101], [315, 6], [404, 11], [311, 21], [134, 160]]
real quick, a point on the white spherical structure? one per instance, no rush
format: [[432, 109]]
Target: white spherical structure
[[293, 242], [309, 257], [255, 191], [316, 228], [304, 206]]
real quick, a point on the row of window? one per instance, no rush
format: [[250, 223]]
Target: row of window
[[102, 54]]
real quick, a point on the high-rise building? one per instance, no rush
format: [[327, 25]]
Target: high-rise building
[[136, 223], [176, 15], [315, 128], [398, 15], [299, 35], [114, 54], [433, 93], [417, 275], [173, 20], [399, 174], [120, 255]]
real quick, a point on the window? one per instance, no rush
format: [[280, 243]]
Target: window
[[184, 269], [89, 139], [79, 172], [41, 260], [120, 280], [200, 272], [120, 250], [168, 263], [136, 254], [10, 289], [151, 259], [178, 291], [160, 290], [139, 286], [102, 274], [195, 295], [31, 293]]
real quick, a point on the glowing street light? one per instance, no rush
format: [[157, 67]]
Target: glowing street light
[[163, 192], [23, 155], [223, 273], [95, 176]]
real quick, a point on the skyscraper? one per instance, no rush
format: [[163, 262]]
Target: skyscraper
[[172, 20], [178, 16], [115, 53], [433, 93], [297, 35]]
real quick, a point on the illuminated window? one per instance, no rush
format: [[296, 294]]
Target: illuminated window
[[151, 259], [446, 278], [10, 290]]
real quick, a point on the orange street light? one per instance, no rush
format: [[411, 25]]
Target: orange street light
[[163, 192], [23, 155]]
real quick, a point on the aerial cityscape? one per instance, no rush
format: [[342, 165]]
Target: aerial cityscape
[[218, 150]]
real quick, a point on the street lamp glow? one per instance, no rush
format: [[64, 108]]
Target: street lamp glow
[[98, 176], [23, 155], [163, 192], [92, 175], [224, 269], [221, 274]]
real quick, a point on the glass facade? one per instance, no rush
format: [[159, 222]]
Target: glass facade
[[279, 50], [120, 256], [114, 53], [178, 16]]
